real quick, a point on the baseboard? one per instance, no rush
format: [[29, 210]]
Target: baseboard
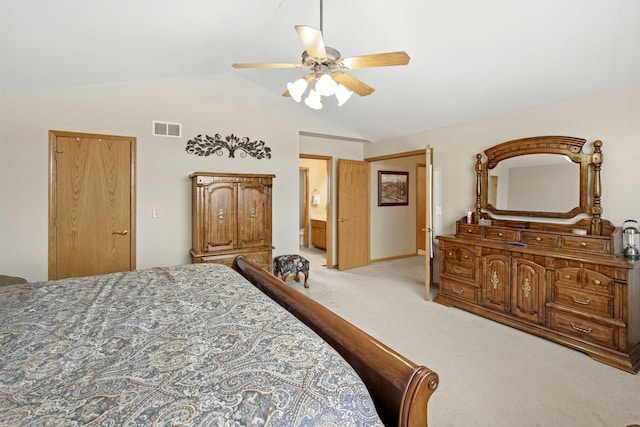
[[392, 258]]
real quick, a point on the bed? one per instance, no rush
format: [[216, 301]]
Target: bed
[[195, 345]]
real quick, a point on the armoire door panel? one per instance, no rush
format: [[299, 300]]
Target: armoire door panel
[[254, 217], [219, 201]]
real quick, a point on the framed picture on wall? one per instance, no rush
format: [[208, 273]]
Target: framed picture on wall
[[393, 188]]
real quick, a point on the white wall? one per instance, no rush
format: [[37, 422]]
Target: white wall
[[393, 228], [613, 117], [222, 103]]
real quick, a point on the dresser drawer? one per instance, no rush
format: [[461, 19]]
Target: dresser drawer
[[459, 255], [584, 301], [587, 244], [543, 239], [458, 290], [471, 230], [579, 327], [502, 234], [584, 279], [459, 270], [597, 282]]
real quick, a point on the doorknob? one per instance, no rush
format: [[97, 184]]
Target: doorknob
[[343, 219], [122, 233]]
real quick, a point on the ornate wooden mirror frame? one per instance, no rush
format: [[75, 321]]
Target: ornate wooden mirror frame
[[589, 203]]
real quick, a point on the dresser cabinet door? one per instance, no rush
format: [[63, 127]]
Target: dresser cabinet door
[[218, 211], [254, 215], [528, 290], [496, 282]]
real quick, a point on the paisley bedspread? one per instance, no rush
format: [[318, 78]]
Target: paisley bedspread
[[184, 345]]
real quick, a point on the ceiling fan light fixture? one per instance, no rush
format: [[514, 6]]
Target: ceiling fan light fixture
[[326, 86], [342, 94], [314, 100], [297, 88]]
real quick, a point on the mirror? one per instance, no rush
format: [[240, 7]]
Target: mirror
[[530, 183], [546, 176]]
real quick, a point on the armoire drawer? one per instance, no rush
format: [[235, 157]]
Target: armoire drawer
[[261, 258]]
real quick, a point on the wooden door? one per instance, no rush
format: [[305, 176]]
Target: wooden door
[[254, 215], [353, 214], [91, 204], [425, 178], [421, 207]]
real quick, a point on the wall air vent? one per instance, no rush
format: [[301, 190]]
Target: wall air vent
[[167, 129]]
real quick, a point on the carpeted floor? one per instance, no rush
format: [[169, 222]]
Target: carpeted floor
[[490, 374]]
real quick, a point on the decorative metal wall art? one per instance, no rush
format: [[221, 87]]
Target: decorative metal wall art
[[208, 145]]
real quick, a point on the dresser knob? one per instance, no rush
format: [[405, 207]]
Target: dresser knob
[[538, 239], [567, 276], [597, 282], [499, 234], [583, 244]]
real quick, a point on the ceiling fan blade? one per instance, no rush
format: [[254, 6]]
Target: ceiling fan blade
[[353, 84], [376, 60], [311, 39], [266, 65]]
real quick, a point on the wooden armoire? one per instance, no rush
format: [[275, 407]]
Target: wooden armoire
[[231, 216]]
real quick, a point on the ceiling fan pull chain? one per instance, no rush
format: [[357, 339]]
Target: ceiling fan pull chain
[[321, 17]]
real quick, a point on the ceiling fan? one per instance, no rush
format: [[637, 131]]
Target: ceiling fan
[[328, 68]]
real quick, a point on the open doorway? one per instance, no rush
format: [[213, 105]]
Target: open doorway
[[315, 209]]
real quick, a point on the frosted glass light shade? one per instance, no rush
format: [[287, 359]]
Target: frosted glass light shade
[[296, 89], [313, 100], [326, 86], [342, 94]]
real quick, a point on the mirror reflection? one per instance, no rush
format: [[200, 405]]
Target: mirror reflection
[[535, 182]]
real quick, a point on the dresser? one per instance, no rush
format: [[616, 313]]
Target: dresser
[[563, 281], [231, 216]]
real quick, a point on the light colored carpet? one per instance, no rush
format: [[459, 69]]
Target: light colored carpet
[[490, 374]]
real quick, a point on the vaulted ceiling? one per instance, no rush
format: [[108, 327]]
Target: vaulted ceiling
[[469, 59]]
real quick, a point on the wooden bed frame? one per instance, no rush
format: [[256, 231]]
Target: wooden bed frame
[[400, 389]]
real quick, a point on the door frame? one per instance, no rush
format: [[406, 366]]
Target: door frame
[[305, 239], [53, 135], [428, 153]]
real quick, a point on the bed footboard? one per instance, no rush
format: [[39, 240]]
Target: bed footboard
[[399, 388]]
